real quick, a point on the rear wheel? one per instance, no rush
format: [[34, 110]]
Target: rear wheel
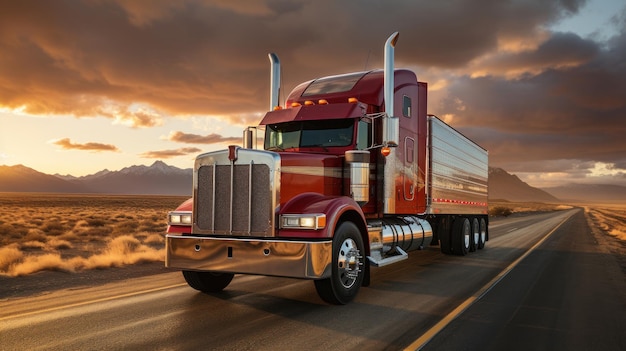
[[461, 231], [208, 282], [347, 266], [482, 237]]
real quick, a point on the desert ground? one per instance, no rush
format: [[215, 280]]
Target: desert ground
[[78, 233], [71, 233]]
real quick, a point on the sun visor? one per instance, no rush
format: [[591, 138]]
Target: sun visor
[[313, 112]]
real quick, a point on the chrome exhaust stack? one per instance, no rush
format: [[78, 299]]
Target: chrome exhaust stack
[[391, 126], [274, 81]]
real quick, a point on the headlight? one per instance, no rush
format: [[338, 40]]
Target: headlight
[[303, 221], [179, 218]]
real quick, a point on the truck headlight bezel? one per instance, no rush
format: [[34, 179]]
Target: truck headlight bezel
[[180, 218], [311, 221]]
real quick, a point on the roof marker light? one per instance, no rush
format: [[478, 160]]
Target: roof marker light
[[309, 103], [322, 102], [353, 100], [276, 108], [296, 104]]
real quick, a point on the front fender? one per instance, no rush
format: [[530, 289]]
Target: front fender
[[332, 206]]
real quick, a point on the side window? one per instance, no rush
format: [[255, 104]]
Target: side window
[[406, 106], [364, 137]]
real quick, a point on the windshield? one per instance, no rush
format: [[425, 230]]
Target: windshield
[[333, 132]]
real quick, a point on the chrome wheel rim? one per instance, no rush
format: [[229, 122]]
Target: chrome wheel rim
[[348, 263]]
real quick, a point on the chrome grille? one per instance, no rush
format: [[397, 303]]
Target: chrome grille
[[234, 198]]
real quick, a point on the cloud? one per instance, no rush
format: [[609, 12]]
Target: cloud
[[67, 144], [165, 154], [559, 51], [529, 95], [562, 113], [213, 138], [210, 57]]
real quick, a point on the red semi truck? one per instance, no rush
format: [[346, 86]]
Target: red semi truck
[[353, 173]]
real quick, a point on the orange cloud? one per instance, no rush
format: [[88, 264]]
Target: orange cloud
[[170, 153], [181, 137], [67, 144]]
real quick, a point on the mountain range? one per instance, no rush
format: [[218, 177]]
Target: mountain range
[[162, 179], [505, 186], [157, 179]]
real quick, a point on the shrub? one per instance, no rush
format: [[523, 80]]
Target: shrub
[[96, 222], [9, 255], [53, 227], [500, 211], [59, 244]]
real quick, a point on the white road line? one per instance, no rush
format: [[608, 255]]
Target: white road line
[[430, 333]]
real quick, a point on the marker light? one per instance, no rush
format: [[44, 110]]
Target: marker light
[[353, 100], [309, 103], [276, 108], [296, 104], [385, 151], [322, 102]]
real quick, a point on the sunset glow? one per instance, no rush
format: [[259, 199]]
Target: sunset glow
[[107, 85]]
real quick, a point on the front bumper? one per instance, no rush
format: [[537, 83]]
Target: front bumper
[[283, 258]]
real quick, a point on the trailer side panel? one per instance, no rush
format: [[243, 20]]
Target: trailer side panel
[[458, 172]]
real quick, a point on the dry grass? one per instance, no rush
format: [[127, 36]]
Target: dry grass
[[67, 232], [72, 233], [610, 218], [521, 207]]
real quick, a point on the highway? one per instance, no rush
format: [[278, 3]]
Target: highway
[[566, 293]]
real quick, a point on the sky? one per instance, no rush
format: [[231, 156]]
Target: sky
[[94, 84]]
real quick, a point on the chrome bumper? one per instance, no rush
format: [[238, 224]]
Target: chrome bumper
[[294, 259]]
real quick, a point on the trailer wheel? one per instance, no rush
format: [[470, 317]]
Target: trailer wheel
[[475, 237], [461, 231], [482, 238], [208, 282], [347, 266]]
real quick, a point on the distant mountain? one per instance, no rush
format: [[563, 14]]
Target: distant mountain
[[505, 186], [23, 179], [589, 192], [157, 179]]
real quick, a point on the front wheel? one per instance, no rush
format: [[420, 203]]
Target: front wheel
[[208, 282], [347, 266]]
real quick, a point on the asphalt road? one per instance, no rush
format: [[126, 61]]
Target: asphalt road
[[565, 294]]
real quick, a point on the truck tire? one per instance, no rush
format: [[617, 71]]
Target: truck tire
[[461, 232], [347, 266], [482, 238], [475, 236], [208, 282]]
